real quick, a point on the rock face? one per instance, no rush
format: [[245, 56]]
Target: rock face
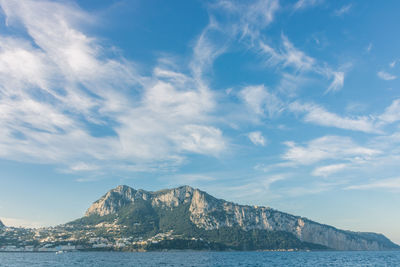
[[115, 199], [1, 225], [209, 213]]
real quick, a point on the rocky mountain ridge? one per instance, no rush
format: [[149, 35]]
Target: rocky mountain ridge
[[208, 213]]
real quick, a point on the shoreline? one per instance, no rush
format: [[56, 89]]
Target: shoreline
[[191, 250]]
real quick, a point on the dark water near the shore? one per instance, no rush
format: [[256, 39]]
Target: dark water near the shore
[[228, 259]]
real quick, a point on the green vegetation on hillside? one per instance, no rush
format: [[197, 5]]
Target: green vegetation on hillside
[[140, 219]]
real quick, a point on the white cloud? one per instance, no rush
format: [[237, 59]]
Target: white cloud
[[328, 169], [82, 166], [318, 115], [393, 63], [56, 81], [88, 179], [295, 57], [290, 83], [206, 50], [200, 139], [356, 107], [387, 184], [289, 56], [343, 10], [245, 20], [257, 138], [327, 148], [369, 124], [337, 83], [261, 101], [302, 4], [392, 113], [386, 76]]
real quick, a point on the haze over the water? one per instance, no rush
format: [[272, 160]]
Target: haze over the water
[[292, 105]]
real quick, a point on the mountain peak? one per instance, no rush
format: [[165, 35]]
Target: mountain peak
[[186, 187], [124, 195], [122, 188], [113, 200], [191, 207]]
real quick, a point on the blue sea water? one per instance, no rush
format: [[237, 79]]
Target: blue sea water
[[220, 259]]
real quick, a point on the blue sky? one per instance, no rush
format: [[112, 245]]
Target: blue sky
[[289, 104]]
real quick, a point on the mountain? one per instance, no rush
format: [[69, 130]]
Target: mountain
[[191, 214], [1, 225]]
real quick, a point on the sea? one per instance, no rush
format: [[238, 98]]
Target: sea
[[195, 259]]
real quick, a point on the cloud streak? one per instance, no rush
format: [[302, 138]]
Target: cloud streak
[[392, 184], [257, 138], [261, 101], [289, 56], [386, 76], [327, 170], [327, 148], [343, 10], [302, 4], [318, 115]]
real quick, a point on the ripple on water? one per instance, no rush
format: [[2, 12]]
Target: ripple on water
[[200, 259]]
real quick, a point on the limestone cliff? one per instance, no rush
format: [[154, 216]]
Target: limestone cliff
[[209, 213]]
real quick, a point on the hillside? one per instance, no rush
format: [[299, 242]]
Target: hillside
[[191, 214]]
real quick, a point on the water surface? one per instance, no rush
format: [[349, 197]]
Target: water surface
[[195, 259]]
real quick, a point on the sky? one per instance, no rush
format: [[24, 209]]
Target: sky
[[293, 105]]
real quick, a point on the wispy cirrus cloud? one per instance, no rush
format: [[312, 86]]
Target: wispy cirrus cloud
[[391, 113], [244, 20], [327, 148], [245, 24], [57, 83], [337, 83], [83, 166], [257, 138], [372, 123], [392, 184], [261, 101], [327, 170], [289, 56], [386, 76], [290, 83], [343, 10], [302, 4], [318, 115]]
